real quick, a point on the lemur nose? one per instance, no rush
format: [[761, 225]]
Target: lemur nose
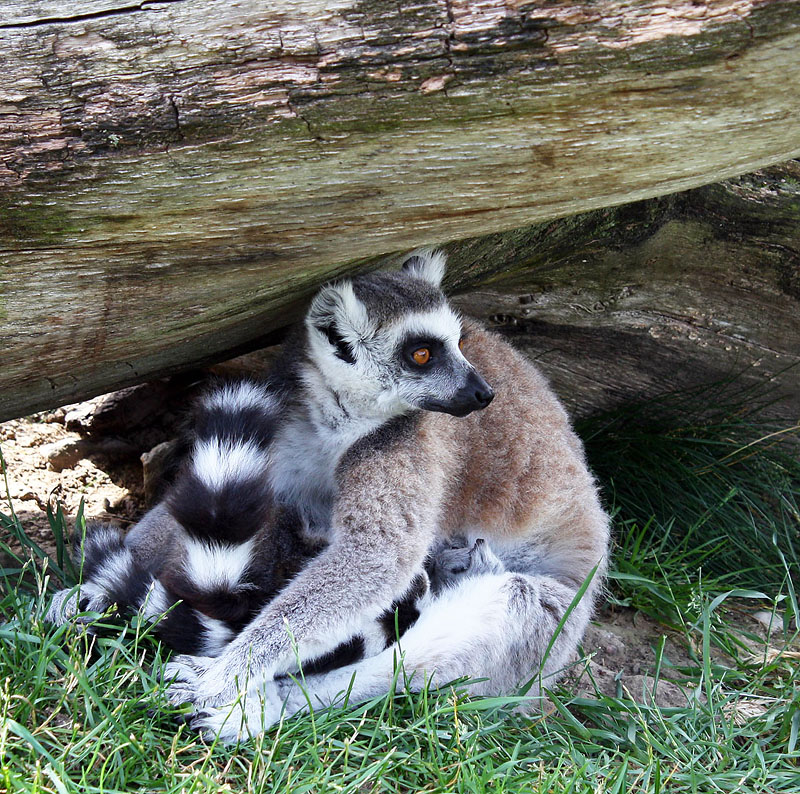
[[478, 390], [484, 396]]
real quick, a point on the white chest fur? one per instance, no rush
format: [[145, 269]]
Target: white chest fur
[[305, 455]]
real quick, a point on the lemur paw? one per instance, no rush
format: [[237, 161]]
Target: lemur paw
[[183, 675], [67, 605], [204, 681], [252, 714]]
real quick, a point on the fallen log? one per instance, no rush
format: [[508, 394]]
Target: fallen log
[[662, 295], [177, 177]]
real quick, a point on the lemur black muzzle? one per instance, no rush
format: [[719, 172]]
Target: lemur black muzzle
[[474, 395]]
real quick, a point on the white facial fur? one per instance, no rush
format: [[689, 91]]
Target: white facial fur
[[376, 385], [441, 324]]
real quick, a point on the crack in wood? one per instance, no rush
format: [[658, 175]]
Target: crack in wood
[[108, 12], [177, 116], [316, 137], [450, 29]]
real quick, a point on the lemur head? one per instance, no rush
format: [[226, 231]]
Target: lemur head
[[390, 342]]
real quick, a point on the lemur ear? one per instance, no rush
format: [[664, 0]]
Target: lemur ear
[[341, 317], [426, 265]]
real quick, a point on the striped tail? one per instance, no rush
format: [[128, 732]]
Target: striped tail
[[222, 498], [111, 575], [223, 501]]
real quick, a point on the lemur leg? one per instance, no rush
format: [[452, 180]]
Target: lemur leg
[[495, 627]]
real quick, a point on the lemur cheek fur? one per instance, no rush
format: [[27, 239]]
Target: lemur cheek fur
[[369, 488]]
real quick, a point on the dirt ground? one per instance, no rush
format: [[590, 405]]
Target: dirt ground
[[110, 492], [53, 456]]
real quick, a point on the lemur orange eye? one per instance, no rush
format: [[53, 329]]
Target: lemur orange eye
[[421, 356], [461, 344]]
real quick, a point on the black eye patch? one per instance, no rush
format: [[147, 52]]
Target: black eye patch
[[343, 350], [412, 344]]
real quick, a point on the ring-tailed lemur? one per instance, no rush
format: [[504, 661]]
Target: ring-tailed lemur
[[386, 449], [234, 550]]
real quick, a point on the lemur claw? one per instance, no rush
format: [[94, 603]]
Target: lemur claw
[[224, 725]]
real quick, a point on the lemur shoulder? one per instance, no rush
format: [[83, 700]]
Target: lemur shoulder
[[389, 445]]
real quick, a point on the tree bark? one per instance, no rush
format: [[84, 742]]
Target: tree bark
[[660, 295], [177, 177]]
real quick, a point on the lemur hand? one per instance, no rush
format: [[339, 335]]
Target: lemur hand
[[200, 680], [253, 711]]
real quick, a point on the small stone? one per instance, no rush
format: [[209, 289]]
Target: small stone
[[114, 449], [79, 415], [771, 621], [666, 695], [607, 643], [30, 496], [63, 454]]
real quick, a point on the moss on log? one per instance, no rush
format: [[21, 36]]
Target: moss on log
[[176, 178]]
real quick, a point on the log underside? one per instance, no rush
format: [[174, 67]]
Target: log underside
[[177, 177], [697, 288]]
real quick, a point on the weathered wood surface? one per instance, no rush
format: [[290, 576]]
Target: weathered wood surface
[[698, 290], [630, 302], [176, 176], [666, 294]]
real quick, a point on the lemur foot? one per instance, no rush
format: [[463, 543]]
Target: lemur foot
[[252, 713], [450, 565], [204, 681], [67, 605]]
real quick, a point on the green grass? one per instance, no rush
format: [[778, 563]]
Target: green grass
[[706, 526], [714, 486]]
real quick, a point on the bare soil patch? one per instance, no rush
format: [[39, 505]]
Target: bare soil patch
[[109, 491]]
